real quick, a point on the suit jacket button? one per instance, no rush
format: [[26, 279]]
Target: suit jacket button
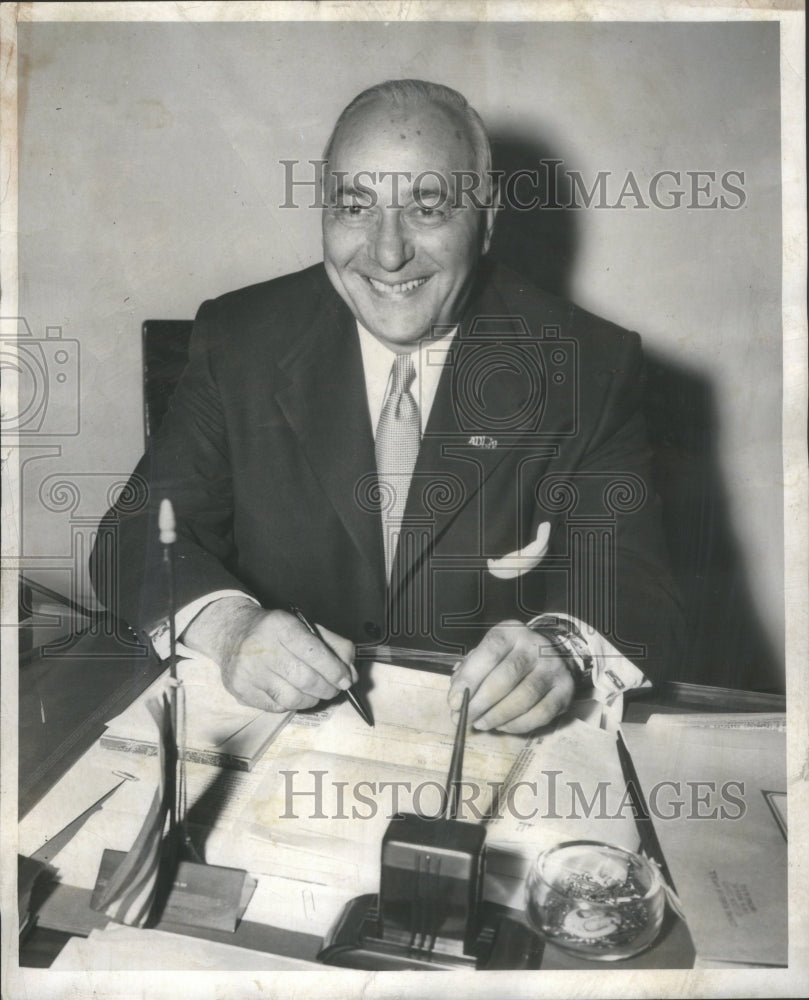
[[372, 630]]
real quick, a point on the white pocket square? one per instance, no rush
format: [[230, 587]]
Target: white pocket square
[[523, 560]]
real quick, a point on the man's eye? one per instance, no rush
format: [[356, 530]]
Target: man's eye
[[353, 214], [356, 208], [427, 215]]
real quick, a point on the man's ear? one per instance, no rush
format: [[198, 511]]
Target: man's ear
[[489, 218]]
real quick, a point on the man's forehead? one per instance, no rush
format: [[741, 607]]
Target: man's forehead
[[383, 130]]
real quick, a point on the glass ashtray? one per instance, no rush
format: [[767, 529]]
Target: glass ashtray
[[596, 900]]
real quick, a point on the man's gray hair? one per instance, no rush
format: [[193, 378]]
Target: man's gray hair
[[413, 93]]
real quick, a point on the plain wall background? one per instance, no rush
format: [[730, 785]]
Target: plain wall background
[[150, 180]]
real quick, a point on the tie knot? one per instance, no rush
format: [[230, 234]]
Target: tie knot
[[403, 374]]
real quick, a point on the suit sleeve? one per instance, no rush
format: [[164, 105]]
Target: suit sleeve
[[608, 528], [187, 461]]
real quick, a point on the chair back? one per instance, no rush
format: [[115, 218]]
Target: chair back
[[165, 355]]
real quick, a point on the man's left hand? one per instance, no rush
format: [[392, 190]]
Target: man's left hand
[[516, 678]]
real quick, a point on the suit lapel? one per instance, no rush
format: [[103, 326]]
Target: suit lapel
[[325, 404]]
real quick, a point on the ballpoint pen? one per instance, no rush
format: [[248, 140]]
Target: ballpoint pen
[[456, 764], [650, 845], [357, 705], [648, 837]]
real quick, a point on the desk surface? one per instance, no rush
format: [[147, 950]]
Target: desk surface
[[66, 698], [76, 694]]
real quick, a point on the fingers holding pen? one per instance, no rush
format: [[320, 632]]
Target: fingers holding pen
[[312, 649], [341, 648], [477, 671], [280, 665]]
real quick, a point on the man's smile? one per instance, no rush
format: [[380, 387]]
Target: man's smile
[[397, 290]]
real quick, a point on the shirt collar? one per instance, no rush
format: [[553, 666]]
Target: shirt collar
[[377, 361]]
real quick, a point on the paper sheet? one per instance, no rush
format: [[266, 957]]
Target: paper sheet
[[118, 947], [568, 785], [724, 847], [335, 784]]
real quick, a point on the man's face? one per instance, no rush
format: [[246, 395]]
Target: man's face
[[402, 254]]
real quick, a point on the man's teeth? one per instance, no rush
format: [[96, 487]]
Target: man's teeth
[[403, 286]]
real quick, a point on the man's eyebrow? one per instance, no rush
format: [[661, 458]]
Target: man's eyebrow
[[433, 190], [343, 188], [429, 185]]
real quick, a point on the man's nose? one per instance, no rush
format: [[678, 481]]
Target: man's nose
[[392, 247]]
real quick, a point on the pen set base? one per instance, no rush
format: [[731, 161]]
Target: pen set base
[[430, 913], [504, 942]]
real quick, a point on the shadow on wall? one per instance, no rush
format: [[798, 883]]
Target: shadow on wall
[[539, 244], [725, 644]]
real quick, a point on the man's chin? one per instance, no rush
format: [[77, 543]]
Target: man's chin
[[394, 337], [391, 328]]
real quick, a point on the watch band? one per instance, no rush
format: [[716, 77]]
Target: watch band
[[571, 644]]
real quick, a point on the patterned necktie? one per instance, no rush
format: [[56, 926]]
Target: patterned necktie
[[398, 436]]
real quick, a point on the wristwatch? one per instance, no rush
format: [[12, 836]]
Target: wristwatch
[[576, 654]]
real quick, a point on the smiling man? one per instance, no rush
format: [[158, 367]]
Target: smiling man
[[414, 447]]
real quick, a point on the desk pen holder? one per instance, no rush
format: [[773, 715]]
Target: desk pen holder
[[430, 912]]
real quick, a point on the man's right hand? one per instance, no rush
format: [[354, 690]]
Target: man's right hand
[[269, 659]]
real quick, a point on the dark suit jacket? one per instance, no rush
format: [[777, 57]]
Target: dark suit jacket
[[267, 455]]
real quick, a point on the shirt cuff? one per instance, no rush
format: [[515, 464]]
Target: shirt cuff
[[160, 635], [613, 673]]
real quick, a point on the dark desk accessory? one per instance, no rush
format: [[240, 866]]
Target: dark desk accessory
[[30, 872], [162, 872], [430, 912]]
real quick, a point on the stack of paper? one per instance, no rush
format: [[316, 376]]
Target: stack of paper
[[219, 730]]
